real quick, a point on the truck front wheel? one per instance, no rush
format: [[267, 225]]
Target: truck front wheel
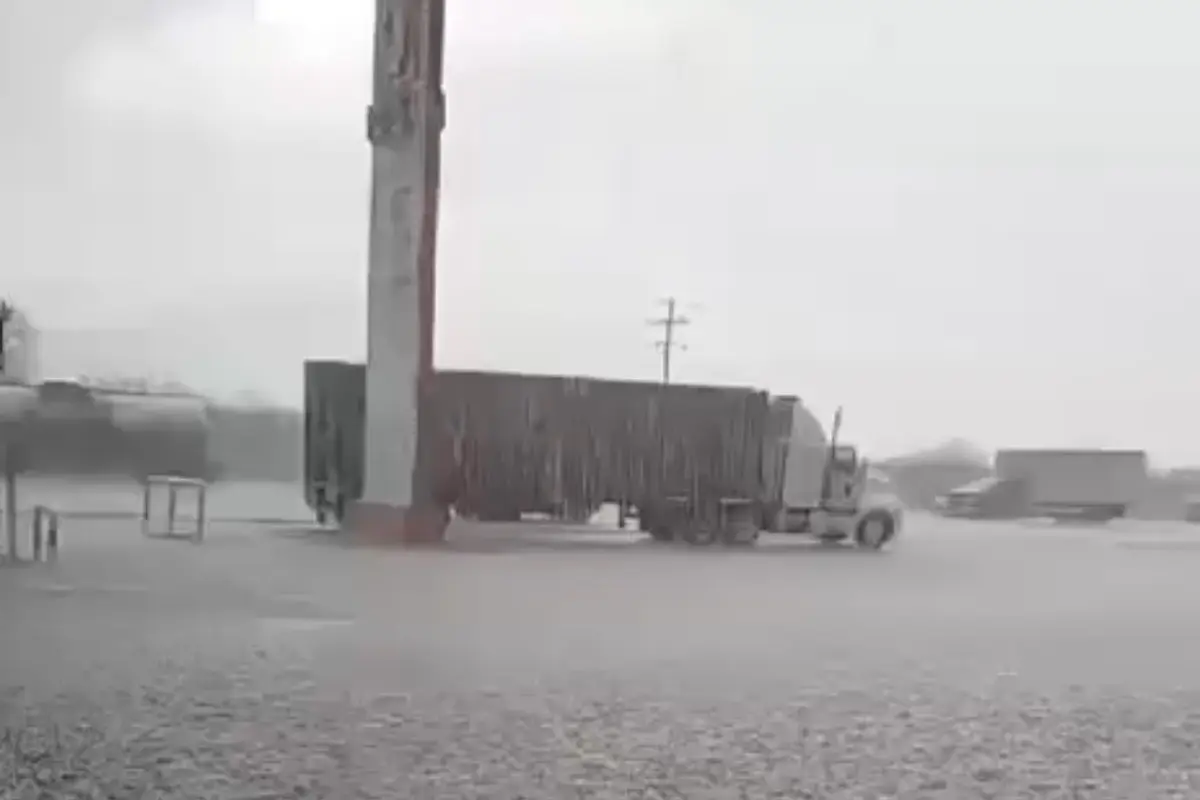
[[874, 530]]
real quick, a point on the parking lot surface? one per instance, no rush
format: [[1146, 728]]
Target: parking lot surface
[[970, 660]]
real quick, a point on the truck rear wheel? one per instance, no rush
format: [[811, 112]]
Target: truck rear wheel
[[498, 513], [874, 530], [661, 534], [1103, 514], [740, 525], [741, 538], [700, 533]]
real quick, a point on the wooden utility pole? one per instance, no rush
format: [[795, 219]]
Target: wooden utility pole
[[7, 448], [7, 312], [667, 344]]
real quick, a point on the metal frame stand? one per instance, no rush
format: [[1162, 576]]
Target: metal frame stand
[[173, 485], [45, 525]]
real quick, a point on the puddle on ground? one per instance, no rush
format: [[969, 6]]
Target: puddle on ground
[[1161, 544], [114, 588], [55, 588], [301, 625]]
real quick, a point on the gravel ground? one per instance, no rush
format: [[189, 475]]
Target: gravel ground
[[529, 662]]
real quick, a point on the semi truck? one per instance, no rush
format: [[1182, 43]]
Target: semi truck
[[700, 464], [826, 489], [1088, 485]]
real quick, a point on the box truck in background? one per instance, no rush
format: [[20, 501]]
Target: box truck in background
[[1090, 485]]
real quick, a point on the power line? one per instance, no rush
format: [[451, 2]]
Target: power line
[[667, 344]]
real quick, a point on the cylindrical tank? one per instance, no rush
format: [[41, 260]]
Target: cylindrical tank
[[160, 433], [69, 432], [62, 427], [18, 403]]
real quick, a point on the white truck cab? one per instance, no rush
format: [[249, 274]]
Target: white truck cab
[[829, 492]]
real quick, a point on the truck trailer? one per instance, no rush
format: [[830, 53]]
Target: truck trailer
[[700, 464], [498, 444]]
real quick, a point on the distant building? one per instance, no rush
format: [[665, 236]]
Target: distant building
[[22, 350], [920, 478]]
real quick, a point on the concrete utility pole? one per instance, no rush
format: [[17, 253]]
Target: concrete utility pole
[[7, 450], [669, 323], [404, 125]]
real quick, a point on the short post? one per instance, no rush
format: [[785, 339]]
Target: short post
[[174, 485], [37, 533], [172, 500], [201, 512], [45, 533], [146, 506], [52, 537], [10, 506]]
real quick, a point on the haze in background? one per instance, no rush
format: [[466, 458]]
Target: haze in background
[[953, 217]]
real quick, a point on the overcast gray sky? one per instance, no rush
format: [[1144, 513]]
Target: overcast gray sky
[[954, 217]]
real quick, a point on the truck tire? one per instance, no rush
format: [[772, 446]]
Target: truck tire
[[660, 533], [1109, 513], [769, 518], [741, 527], [874, 530], [700, 533], [741, 539], [500, 514]]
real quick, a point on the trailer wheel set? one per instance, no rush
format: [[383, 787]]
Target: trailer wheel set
[[677, 520], [736, 524]]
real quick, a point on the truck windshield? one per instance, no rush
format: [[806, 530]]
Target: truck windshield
[[845, 455], [976, 487]]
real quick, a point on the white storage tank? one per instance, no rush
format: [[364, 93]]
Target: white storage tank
[[141, 412], [17, 402], [162, 433]]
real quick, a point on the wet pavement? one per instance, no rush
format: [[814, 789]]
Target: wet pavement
[[972, 660]]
